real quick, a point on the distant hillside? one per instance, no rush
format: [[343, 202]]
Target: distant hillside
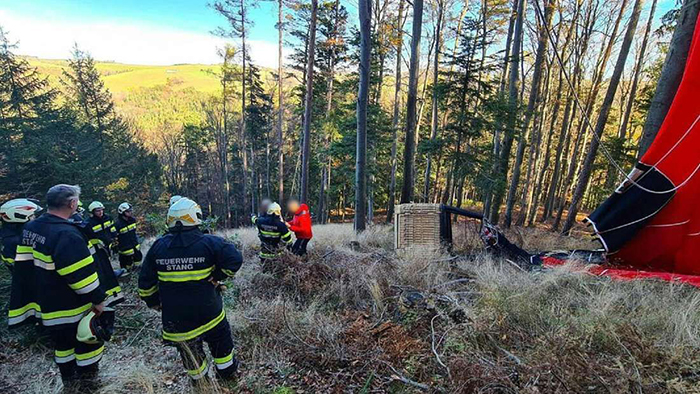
[[157, 100], [120, 78]]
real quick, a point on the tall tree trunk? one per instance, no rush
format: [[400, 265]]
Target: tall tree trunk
[[543, 40], [603, 118], [329, 107], [671, 74], [395, 117], [364, 8], [501, 170], [306, 145], [409, 151], [434, 109], [280, 97]]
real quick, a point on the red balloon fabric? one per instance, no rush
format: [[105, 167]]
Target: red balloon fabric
[[670, 241]]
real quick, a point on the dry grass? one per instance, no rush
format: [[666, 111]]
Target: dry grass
[[353, 317]]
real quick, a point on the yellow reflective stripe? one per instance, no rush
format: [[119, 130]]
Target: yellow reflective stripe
[[85, 356], [224, 360], [113, 290], [66, 313], [24, 309], [8, 260], [108, 223], [97, 228], [288, 235], [228, 272], [270, 233], [63, 353], [186, 336], [75, 266], [184, 276], [79, 285], [95, 241], [131, 251], [148, 292], [21, 249], [198, 371], [43, 257]]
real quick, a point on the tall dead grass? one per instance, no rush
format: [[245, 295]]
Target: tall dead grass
[[354, 317]]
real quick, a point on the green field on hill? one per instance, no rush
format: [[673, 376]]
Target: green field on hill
[[123, 78]]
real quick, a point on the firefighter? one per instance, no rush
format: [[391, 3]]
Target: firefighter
[[300, 225], [23, 307], [68, 286], [78, 217], [180, 276], [273, 233], [262, 209], [128, 244], [99, 230]]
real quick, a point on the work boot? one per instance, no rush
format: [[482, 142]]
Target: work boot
[[121, 273], [230, 373]]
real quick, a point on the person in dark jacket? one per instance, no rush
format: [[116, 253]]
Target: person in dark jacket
[[300, 225], [99, 230], [273, 233], [128, 244], [180, 276], [23, 308], [78, 217], [68, 285]]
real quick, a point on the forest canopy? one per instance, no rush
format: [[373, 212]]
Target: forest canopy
[[498, 105]]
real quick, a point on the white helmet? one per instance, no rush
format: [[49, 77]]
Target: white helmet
[[123, 207], [186, 212], [95, 205], [19, 210], [174, 199], [274, 209]]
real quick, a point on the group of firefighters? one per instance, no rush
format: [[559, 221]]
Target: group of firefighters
[[62, 277]]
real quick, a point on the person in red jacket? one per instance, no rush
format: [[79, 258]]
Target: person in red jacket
[[300, 225]]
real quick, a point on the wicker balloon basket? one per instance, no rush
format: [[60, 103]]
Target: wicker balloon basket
[[417, 228]]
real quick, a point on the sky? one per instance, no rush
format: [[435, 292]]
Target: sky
[[151, 32]]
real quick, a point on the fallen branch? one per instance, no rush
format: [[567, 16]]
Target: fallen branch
[[432, 345], [405, 380], [452, 282], [145, 325]]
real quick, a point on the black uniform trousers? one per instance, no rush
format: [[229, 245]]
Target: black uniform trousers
[[220, 344], [127, 261], [76, 360]]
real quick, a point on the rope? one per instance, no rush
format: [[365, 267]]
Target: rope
[[606, 152]]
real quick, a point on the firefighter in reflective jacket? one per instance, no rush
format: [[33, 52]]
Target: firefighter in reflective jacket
[[18, 258], [180, 275], [99, 230], [128, 244], [273, 233], [68, 285]]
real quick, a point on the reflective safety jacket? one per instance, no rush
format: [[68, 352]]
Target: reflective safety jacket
[[23, 289], [273, 234], [125, 228], [67, 281], [177, 274], [100, 231], [98, 239]]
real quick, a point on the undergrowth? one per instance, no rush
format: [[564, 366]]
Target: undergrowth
[[354, 317]]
